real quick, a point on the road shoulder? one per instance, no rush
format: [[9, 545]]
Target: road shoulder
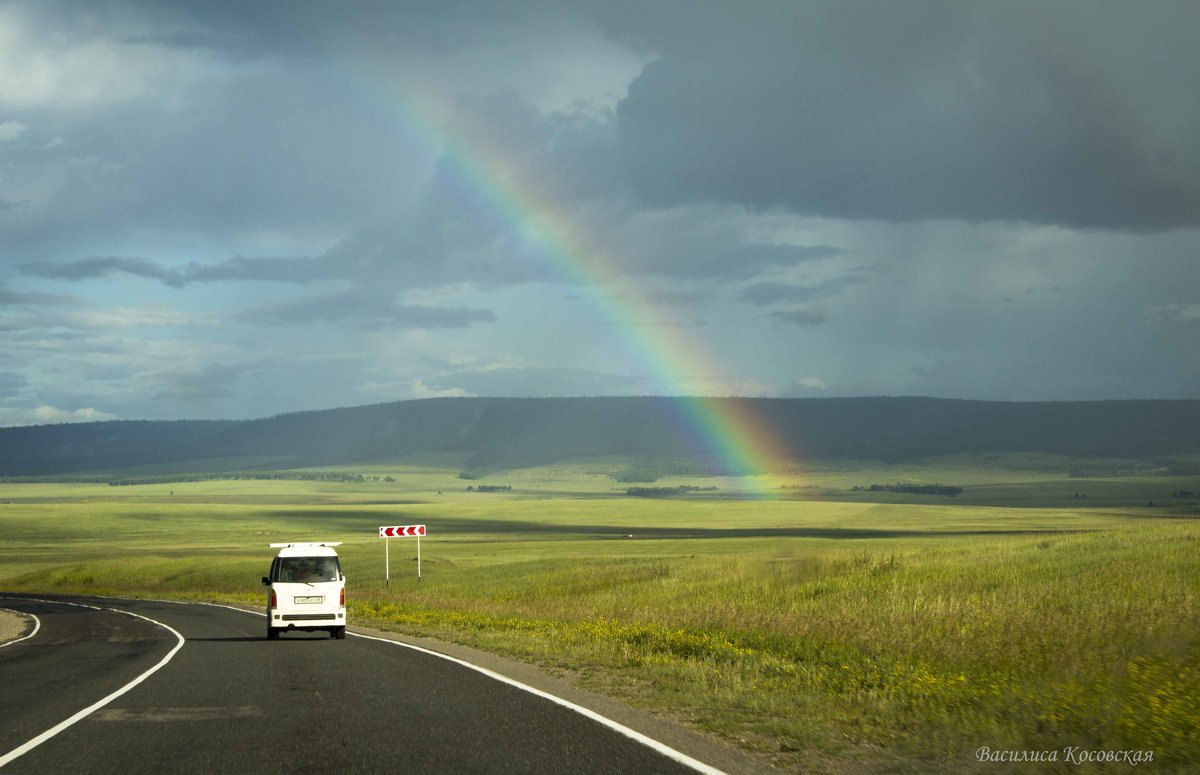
[[13, 625], [705, 748]]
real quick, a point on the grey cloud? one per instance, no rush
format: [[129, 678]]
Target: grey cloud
[[198, 382], [681, 298], [534, 382], [766, 293], [263, 135], [11, 298], [452, 241], [1175, 313], [368, 308], [292, 270], [102, 266], [274, 269], [800, 317], [247, 150], [12, 384], [702, 243]]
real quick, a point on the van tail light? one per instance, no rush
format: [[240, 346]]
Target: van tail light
[[342, 598], [273, 603]]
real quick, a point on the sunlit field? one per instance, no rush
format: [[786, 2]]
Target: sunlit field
[[824, 628]]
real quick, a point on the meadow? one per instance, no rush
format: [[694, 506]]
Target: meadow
[[824, 628]]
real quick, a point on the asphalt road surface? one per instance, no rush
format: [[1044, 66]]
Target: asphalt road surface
[[221, 698]]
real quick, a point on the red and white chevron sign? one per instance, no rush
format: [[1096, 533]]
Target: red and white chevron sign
[[400, 531]]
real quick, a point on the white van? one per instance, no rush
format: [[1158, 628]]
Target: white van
[[307, 590]]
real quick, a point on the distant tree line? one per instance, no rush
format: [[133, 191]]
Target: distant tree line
[[1096, 469], [126, 481], [298, 476], [490, 488], [665, 492], [913, 489], [54, 479]]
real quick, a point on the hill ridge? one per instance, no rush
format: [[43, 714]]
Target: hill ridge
[[515, 432]]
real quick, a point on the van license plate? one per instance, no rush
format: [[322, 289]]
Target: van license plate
[[314, 599]]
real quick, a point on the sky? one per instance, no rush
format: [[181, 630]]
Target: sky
[[239, 209]]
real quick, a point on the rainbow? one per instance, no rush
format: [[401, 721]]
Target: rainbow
[[485, 173]]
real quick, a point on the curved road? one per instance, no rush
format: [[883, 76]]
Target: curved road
[[223, 698]]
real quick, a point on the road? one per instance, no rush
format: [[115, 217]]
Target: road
[[224, 699]]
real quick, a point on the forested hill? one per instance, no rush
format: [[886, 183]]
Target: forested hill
[[513, 432]]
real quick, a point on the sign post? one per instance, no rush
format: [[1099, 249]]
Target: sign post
[[399, 531]]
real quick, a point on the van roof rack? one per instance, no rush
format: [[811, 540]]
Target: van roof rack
[[302, 543]]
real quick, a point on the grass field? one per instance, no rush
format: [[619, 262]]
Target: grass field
[[825, 629]]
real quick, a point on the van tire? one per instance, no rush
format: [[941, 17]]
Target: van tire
[[272, 633], [338, 632]]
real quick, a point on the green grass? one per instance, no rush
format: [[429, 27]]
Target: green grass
[[823, 630]]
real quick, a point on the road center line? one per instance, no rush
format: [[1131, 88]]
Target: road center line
[[49, 733]]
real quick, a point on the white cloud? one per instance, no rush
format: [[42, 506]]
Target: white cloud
[[1178, 313], [149, 316], [419, 389], [51, 415], [45, 65], [11, 130], [812, 383]]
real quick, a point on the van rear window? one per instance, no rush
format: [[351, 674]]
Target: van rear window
[[307, 569]]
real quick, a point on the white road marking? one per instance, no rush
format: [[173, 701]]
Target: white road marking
[[662, 748], [37, 625], [649, 742], [49, 733]]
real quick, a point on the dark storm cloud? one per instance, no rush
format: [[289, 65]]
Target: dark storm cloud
[[571, 158], [246, 27], [1079, 114], [366, 308]]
